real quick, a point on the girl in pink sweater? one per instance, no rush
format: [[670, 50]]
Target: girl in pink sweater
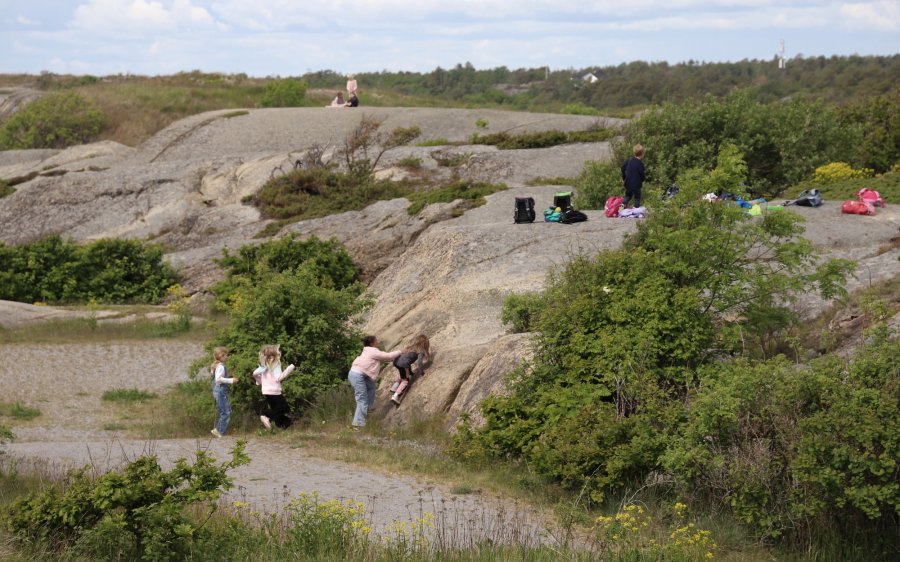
[[269, 376], [362, 377]]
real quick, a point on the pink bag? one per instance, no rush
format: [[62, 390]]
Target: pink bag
[[612, 206], [870, 196]]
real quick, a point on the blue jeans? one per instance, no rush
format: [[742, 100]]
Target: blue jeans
[[364, 392], [220, 393]]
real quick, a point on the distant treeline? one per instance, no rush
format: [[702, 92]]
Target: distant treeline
[[834, 79]]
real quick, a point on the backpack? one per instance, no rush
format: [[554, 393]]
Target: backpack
[[811, 198], [524, 210], [870, 196], [563, 200], [856, 208], [612, 206], [552, 215], [570, 215], [671, 192]]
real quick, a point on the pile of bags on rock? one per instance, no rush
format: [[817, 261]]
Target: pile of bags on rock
[[865, 205]]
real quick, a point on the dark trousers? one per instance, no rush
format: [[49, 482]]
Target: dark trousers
[[632, 193], [278, 408]]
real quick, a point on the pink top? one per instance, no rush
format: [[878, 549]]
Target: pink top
[[270, 380], [370, 360]]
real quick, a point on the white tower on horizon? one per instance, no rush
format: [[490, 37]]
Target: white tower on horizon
[[781, 56]]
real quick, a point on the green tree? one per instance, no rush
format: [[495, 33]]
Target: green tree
[[301, 295], [621, 335], [56, 120], [286, 92]]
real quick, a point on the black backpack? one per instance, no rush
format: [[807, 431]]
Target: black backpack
[[563, 200], [570, 215], [810, 198], [524, 210]]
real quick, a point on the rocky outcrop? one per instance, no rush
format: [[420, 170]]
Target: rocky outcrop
[[442, 272]]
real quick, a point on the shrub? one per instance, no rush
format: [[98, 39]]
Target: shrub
[[792, 450], [412, 162], [596, 183], [141, 511], [520, 312], [471, 191], [621, 335], [56, 120], [284, 93], [319, 192], [6, 189], [579, 109], [542, 139], [433, 142], [838, 172], [252, 263], [57, 270], [782, 143], [300, 295]]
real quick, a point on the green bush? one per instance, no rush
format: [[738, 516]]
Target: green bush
[[790, 449], [301, 295], [284, 93], [520, 312], [18, 411], [596, 183], [541, 139], [127, 395], [6, 189], [56, 120], [622, 335], [579, 109], [471, 191], [782, 143], [254, 262], [141, 512], [57, 270], [319, 192], [878, 118]]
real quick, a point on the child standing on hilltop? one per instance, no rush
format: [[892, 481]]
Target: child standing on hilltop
[[419, 352], [269, 376], [633, 176], [220, 382]]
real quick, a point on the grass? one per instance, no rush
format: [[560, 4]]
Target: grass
[[559, 180], [542, 139], [91, 329], [127, 395], [18, 411], [433, 142], [6, 189], [471, 192]]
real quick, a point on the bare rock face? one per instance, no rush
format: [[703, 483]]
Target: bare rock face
[[442, 272]]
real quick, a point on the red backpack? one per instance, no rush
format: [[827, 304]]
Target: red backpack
[[856, 208], [612, 206], [870, 196]]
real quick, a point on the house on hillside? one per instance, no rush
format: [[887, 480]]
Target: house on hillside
[[590, 78]]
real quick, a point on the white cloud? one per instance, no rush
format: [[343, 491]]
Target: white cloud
[[140, 15], [22, 20], [883, 15]]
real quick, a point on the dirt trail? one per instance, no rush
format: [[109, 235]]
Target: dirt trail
[[65, 382]]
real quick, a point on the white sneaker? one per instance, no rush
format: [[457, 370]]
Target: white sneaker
[[216, 433], [395, 399], [265, 422]]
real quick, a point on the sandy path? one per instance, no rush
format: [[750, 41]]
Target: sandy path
[[66, 381]]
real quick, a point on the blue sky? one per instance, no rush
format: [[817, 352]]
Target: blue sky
[[290, 37]]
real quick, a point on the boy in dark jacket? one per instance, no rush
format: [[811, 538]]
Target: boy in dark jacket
[[633, 176]]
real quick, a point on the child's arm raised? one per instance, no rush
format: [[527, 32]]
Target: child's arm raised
[[286, 372]]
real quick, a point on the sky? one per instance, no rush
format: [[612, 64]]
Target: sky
[[292, 37]]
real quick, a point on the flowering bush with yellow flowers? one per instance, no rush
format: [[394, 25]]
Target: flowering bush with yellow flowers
[[631, 532], [409, 539], [839, 171]]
